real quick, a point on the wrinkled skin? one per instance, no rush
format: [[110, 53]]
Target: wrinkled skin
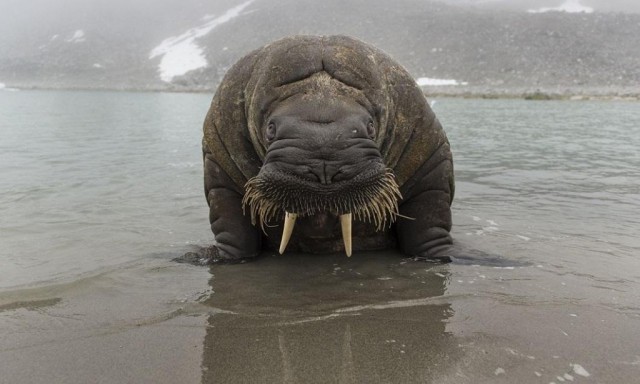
[[320, 117], [321, 141]]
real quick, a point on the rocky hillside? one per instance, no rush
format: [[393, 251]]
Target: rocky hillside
[[189, 44]]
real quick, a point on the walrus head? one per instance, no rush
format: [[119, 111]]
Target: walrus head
[[321, 158]]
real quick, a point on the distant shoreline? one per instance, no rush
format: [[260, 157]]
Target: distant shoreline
[[536, 93], [467, 92]]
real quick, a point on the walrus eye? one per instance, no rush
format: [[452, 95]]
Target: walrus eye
[[371, 129], [270, 134]]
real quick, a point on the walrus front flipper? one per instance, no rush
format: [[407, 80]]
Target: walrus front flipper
[[236, 239], [426, 201]]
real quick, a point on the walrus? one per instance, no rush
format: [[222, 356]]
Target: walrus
[[325, 144]]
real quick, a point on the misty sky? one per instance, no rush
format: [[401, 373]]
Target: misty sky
[[598, 5]]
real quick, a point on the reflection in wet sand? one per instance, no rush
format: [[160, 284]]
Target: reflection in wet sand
[[303, 318]]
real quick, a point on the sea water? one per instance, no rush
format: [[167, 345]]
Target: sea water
[[99, 191]]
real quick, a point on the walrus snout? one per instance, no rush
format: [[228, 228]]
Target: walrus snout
[[325, 173], [370, 196], [324, 162]]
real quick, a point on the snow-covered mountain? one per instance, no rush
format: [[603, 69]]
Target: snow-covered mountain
[[182, 54], [189, 44]]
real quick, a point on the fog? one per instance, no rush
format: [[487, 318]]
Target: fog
[[629, 6], [480, 47]]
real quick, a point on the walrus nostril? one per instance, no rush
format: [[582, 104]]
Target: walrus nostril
[[325, 173]]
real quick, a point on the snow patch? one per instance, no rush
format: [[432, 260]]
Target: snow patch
[[425, 81], [579, 370], [569, 6], [3, 87], [97, 65], [180, 54], [78, 37]]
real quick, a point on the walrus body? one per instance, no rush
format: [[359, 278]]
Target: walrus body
[[328, 130]]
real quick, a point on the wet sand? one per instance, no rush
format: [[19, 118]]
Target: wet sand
[[375, 317]]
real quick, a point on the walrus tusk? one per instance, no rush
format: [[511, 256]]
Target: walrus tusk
[[289, 222], [345, 223]]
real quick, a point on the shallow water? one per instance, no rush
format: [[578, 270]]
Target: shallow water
[[99, 191], [92, 180]]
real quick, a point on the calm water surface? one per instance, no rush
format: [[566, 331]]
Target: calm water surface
[[93, 180], [99, 191]]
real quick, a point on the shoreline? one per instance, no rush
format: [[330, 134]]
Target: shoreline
[[542, 93], [464, 92]]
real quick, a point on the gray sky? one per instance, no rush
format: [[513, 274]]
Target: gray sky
[[598, 5]]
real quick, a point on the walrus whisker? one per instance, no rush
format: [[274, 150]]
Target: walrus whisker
[[372, 198]]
